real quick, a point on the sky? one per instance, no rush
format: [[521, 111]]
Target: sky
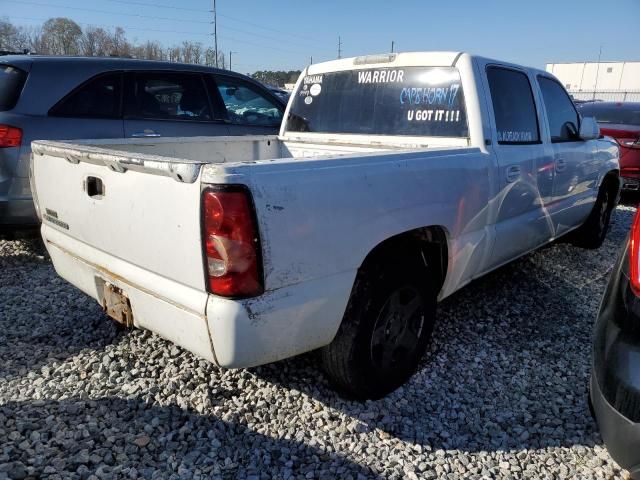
[[286, 35]]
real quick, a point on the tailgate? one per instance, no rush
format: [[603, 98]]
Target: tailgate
[[144, 212]]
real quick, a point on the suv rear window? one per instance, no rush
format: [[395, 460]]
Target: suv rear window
[[419, 101], [99, 98], [11, 82]]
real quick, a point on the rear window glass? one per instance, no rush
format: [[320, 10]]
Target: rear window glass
[[622, 114], [246, 106], [99, 97], [169, 96], [419, 101], [11, 82]]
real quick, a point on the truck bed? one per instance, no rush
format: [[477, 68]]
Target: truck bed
[[127, 214], [182, 157]]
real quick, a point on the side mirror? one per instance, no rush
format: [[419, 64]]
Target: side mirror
[[589, 129]]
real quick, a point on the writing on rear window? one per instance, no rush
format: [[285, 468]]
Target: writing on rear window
[[381, 76], [417, 101]]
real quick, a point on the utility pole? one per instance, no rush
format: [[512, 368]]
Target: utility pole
[[230, 53], [595, 87], [392, 42], [339, 47], [215, 32]]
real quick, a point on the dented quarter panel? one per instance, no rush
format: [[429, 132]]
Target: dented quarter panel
[[279, 323]]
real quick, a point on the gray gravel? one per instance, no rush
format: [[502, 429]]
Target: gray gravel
[[501, 393]]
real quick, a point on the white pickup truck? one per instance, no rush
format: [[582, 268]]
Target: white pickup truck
[[395, 180]]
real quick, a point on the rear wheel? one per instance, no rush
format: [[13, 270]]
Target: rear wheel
[[385, 330], [593, 232]]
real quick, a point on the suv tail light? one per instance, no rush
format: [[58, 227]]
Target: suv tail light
[[629, 142], [231, 244], [10, 136], [634, 254]]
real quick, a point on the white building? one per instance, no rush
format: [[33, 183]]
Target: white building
[[616, 81]]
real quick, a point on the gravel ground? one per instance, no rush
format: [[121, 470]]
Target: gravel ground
[[501, 393]]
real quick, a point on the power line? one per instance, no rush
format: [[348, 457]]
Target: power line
[[167, 18], [297, 52], [269, 28], [268, 37], [160, 6], [128, 27], [131, 2], [145, 4], [110, 13]]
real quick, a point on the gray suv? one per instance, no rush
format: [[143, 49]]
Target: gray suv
[[77, 97]]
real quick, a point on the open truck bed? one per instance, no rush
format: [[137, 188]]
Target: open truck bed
[[125, 215]]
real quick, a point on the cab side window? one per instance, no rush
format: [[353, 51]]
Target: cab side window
[[99, 98], [246, 105], [513, 106], [563, 117], [168, 96]]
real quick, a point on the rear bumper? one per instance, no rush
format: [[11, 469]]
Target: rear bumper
[[231, 333], [17, 212], [620, 435], [16, 204], [631, 183], [615, 379], [174, 311]]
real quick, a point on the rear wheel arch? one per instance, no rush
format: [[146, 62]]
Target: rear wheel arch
[[389, 319], [611, 180], [428, 246], [591, 234]]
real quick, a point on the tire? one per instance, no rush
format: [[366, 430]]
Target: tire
[[385, 330], [592, 233]]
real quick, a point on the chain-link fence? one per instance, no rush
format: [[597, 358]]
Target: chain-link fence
[[608, 95]]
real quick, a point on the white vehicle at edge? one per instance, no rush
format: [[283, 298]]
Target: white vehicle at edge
[[396, 179]]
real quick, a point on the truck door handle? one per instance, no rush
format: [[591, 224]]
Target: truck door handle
[[146, 133], [561, 165], [513, 173]]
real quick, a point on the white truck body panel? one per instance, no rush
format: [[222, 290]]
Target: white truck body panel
[[323, 202]]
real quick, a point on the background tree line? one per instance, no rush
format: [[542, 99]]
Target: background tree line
[[63, 36], [276, 78]]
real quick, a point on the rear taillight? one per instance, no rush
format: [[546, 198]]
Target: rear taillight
[[231, 244], [629, 142], [10, 136], [634, 255]]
